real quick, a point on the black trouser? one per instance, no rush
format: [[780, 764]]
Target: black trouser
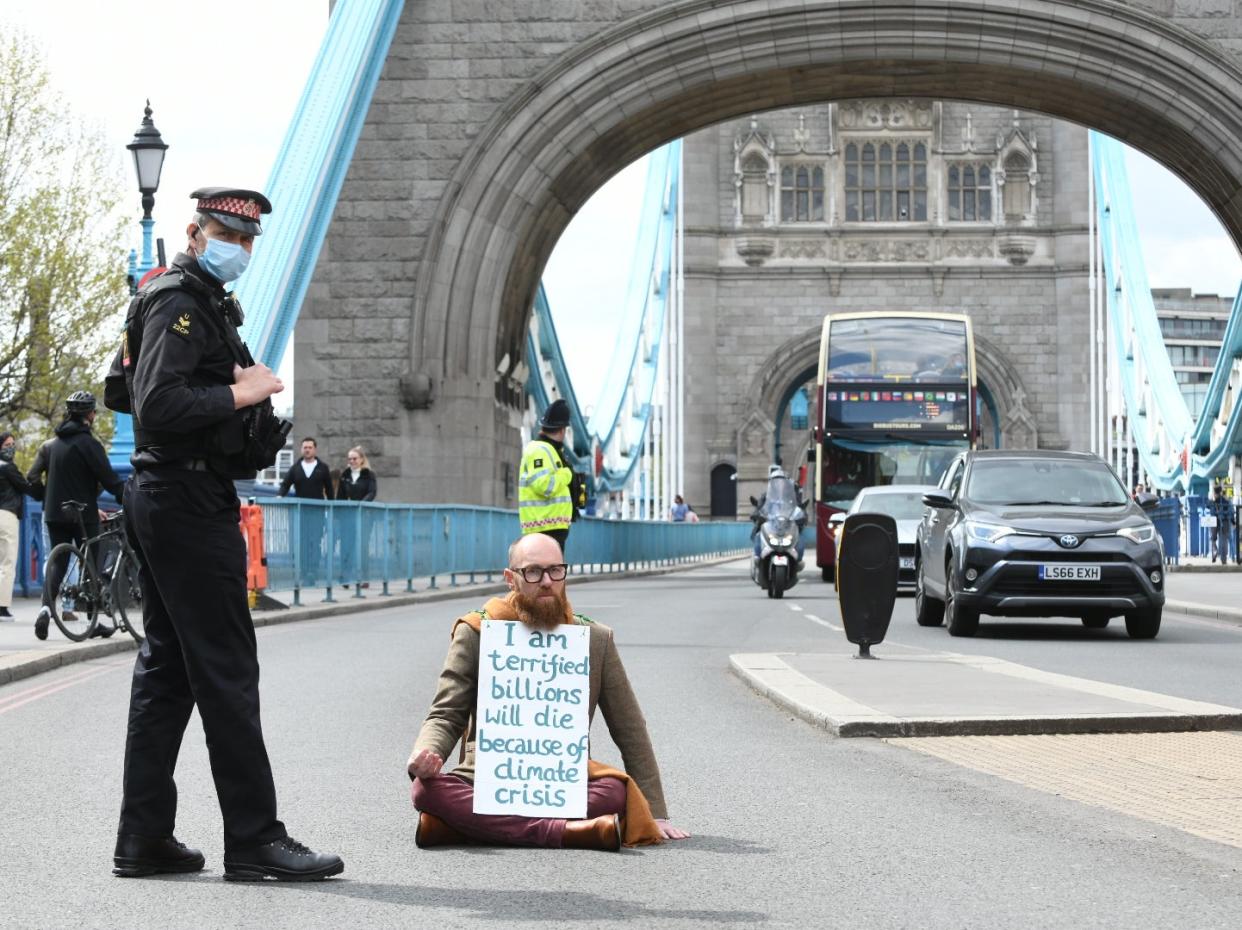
[[58, 533], [561, 536], [199, 649]]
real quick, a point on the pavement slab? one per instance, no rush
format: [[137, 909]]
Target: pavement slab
[[1189, 781], [947, 694]]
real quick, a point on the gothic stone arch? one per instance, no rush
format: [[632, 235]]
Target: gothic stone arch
[[604, 97], [995, 368]]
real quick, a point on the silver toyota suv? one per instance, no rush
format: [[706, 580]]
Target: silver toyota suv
[[1036, 534]]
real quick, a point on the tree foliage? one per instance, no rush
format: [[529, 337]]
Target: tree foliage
[[62, 276]]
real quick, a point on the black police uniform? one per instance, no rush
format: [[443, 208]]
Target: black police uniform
[[181, 513]]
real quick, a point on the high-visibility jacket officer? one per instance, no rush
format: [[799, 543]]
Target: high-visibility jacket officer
[[545, 504], [178, 371]]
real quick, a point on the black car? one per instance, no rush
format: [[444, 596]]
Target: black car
[[1036, 534]]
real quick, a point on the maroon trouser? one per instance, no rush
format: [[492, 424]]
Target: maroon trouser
[[451, 798]]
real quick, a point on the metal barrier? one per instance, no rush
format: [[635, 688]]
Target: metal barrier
[[31, 551], [1167, 518], [322, 544]]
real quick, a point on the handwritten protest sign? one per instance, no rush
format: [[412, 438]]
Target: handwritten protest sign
[[531, 747]]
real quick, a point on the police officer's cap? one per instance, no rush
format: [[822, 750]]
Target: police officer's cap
[[235, 208], [556, 416]]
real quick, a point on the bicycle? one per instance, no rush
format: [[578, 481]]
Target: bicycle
[[101, 576]]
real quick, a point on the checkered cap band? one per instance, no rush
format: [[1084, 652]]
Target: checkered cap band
[[235, 206]]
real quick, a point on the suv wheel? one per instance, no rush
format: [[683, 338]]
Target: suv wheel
[[962, 621], [927, 610], [1143, 624]]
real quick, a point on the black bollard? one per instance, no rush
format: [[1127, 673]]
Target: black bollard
[[867, 578]]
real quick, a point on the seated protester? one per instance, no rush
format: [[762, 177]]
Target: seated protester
[[622, 807]]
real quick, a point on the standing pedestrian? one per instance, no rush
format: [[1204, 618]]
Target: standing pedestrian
[[1222, 533], [13, 490], [545, 492], [310, 479], [70, 467], [680, 509], [202, 417], [358, 483]]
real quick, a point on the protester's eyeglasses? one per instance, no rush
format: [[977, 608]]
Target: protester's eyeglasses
[[533, 574]]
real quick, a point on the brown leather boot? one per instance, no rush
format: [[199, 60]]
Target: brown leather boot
[[432, 831], [603, 833]]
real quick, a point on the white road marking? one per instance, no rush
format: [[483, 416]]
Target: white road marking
[[794, 607], [815, 619]]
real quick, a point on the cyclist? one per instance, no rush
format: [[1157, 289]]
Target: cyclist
[[71, 466]]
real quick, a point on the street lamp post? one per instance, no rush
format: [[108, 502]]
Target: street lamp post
[[148, 150]]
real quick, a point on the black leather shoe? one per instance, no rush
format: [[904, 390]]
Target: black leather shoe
[[41, 622], [102, 631], [136, 856], [285, 860]]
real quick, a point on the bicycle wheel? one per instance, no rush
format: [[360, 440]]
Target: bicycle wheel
[[79, 592], [127, 597]]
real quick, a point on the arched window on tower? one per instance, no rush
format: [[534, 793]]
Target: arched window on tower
[[799, 409], [754, 189], [886, 182], [802, 194], [970, 192], [1017, 186]]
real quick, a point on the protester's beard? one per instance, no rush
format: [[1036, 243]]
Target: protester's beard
[[543, 613]]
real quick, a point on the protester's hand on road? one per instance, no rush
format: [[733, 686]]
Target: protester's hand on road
[[670, 832], [424, 764], [254, 384]]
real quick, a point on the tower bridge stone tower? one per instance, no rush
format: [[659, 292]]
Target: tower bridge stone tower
[[879, 204], [495, 120]]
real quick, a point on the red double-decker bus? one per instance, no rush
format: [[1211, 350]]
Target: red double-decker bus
[[895, 401]]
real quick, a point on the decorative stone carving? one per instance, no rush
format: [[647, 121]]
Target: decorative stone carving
[[886, 114], [754, 178], [969, 248], [755, 250], [416, 390], [1018, 429], [886, 250], [938, 276], [801, 135], [834, 283], [1017, 250], [803, 248]]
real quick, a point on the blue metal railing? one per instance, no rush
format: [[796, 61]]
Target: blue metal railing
[[326, 544], [1167, 518]]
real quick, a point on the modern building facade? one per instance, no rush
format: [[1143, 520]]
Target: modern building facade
[[1193, 326]]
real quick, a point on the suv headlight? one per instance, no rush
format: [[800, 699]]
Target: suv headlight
[[987, 532], [1138, 534]]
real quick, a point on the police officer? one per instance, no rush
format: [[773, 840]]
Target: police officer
[[545, 500], [180, 375], [71, 466]]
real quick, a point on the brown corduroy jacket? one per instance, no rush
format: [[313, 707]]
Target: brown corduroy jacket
[[453, 709]]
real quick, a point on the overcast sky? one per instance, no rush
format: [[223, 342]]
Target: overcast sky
[[224, 79]]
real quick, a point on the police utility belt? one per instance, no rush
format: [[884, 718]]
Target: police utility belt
[[246, 442]]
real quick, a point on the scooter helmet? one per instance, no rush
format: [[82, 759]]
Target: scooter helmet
[[775, 471]]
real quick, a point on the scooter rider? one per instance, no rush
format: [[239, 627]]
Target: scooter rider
[[759, 515]]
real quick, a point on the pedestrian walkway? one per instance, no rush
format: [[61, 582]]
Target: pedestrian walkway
[[22, 655], [913, 693]]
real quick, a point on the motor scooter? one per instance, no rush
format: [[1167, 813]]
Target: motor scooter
[[778, 518]]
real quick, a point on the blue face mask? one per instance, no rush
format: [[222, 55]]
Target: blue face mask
[[224, 261]]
